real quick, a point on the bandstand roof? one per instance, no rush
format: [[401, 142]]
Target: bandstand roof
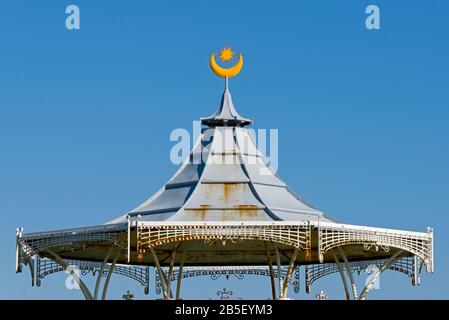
[[225, 178]]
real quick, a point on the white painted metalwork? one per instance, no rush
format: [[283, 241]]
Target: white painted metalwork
[[75, 276], [19, 233], [295, 235], [46, 267], [291, 266], [342, 275], [128, 221], [373, 279], [349, 271], [405, 265], [102, 266], [217, 271], [180, 270], [161, 274], [270, 268], [321, 295], [278, 263], [37, 243], [108, 278], [333, 235], [170, 270]]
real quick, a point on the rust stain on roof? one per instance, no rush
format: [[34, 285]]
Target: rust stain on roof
[[246, 210], [202, 212]]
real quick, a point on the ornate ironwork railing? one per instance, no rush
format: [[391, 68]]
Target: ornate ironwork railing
[[332, 235], [216, 272], [35, 243], [141, 274], [406, 265], [31, 248], [297, 235]]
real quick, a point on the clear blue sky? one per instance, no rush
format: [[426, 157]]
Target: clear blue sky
[[85, 116]]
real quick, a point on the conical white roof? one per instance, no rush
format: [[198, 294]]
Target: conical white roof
[[225, 178]]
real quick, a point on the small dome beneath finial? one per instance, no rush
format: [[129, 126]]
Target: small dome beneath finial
[[226, 115]]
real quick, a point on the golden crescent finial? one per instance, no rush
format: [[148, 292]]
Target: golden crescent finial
[[226, 54]]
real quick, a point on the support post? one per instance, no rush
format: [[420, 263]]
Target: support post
[[170, 270], [420, 264], [385, 266], [161, 273], [105, 261], [31, 266], [415, 279], [62, 263], [349, 271], [179, 280], [108, 278], [270, 267], [128, 256], [289, 273], [342, 274], [430, 266], [19, 233], [278, 262]]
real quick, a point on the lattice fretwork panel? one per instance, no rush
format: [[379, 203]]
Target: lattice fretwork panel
[[332, 236], [297, 236], [404, 265], [45, 267], [216, 272]]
